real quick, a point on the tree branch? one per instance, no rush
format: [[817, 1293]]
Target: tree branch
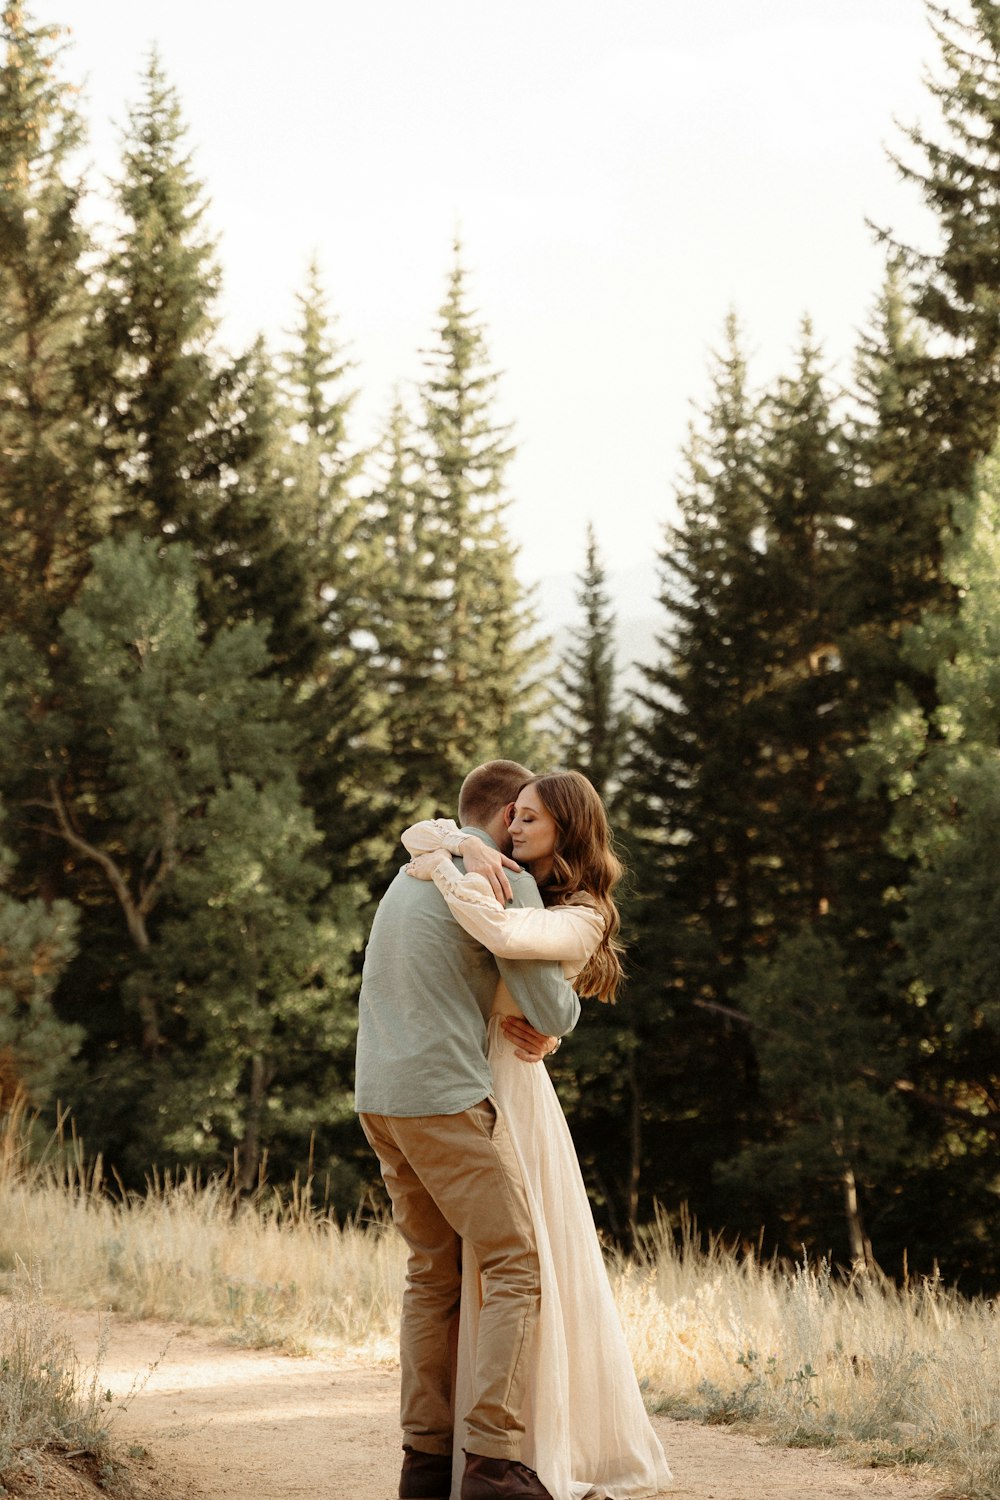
[[133, 916], [990, 1122]]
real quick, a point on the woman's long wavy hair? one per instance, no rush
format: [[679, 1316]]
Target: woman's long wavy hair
[[585, 870]]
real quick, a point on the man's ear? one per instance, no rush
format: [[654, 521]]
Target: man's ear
[[508, 814]]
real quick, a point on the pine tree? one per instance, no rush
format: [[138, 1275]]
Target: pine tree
[[689, 797], [958, 286], [899, 508], [753, 845], [404, 618], [474, 672], [319, 506], [256, 954], [191, 441], [158, 394], [50, 511], [940, 771], [37, 941], [592, 722], [805, 484], [169, 768], [814, 877], [254, 565], [892, 573], [835, 1123], [323, 511]]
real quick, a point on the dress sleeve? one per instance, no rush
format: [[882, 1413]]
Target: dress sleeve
[[432, 833], [567, 934]]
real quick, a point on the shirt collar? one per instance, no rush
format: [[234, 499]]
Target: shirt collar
[[480, 834]]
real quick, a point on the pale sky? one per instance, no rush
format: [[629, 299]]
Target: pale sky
[[621, 172]]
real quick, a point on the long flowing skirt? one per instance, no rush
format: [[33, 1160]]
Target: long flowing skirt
[[587, 1429]]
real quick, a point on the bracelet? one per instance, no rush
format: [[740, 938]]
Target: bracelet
[[553, 1050]]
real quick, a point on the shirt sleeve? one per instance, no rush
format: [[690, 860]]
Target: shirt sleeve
[[432, 833], [539, 988], [567, 934]]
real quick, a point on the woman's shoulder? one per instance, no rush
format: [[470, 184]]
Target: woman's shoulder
[[582, 901]]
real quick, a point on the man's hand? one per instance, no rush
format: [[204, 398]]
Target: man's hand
[[529, 1045], [480, 859]]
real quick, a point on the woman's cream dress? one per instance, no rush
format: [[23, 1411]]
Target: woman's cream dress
[[587, 1431]]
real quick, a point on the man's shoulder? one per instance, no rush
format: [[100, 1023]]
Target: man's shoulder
[[522, 883], [403, 896]]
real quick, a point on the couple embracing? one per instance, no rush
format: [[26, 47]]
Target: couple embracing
[[516, 1382]]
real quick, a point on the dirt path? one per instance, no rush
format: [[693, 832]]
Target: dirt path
[[232, 1424]]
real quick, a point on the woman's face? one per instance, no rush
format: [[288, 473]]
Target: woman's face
[[532, 833]]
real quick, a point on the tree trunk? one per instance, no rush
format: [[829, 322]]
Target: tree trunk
[[635, 1150], [248, 1152], [861, 1250]]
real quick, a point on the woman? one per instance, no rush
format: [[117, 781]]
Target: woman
[[587, 1428]]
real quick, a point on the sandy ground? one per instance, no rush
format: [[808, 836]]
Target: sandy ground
[[220, 1423]]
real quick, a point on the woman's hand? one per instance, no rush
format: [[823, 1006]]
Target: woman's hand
[[422, 866], [529, 1045], [480, 859]]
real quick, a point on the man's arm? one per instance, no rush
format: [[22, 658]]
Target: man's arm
[[539, 989], [529, 1045]]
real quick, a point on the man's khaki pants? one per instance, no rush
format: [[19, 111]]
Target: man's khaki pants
[[455, 1177]]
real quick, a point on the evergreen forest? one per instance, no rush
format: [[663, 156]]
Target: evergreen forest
[[239, 652]]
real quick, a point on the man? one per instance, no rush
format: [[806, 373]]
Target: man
[[423, 1093]]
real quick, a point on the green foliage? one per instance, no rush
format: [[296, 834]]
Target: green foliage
[[319, 506], [170, 773], [592, 723], [215, 723], [467, 664], [36, 944], [190, 440], [325, 515], [943, 776], [255, 963], [826, 1072], [159, 400], [690, 801], [50, 511], [958, 286]]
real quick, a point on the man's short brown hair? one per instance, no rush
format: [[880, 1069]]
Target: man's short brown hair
[[488, 789]]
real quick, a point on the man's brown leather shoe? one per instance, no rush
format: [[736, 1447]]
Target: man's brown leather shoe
[[500, 1479], [424, 1476]]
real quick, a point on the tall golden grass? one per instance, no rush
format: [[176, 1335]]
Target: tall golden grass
[[891, 1375]]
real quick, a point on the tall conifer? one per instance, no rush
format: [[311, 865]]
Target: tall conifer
[[214, 951], [689, 792], [589, 714], [319, 506], [477, 657], [403, 620], [805, 482], [191, 439], [50, 512], [326, 515], [939, 768], [37, 941], [958, 286], [158, 393]]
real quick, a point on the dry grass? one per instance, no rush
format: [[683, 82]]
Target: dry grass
[[46, 1400], [894, 1376], [275, 1272]]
